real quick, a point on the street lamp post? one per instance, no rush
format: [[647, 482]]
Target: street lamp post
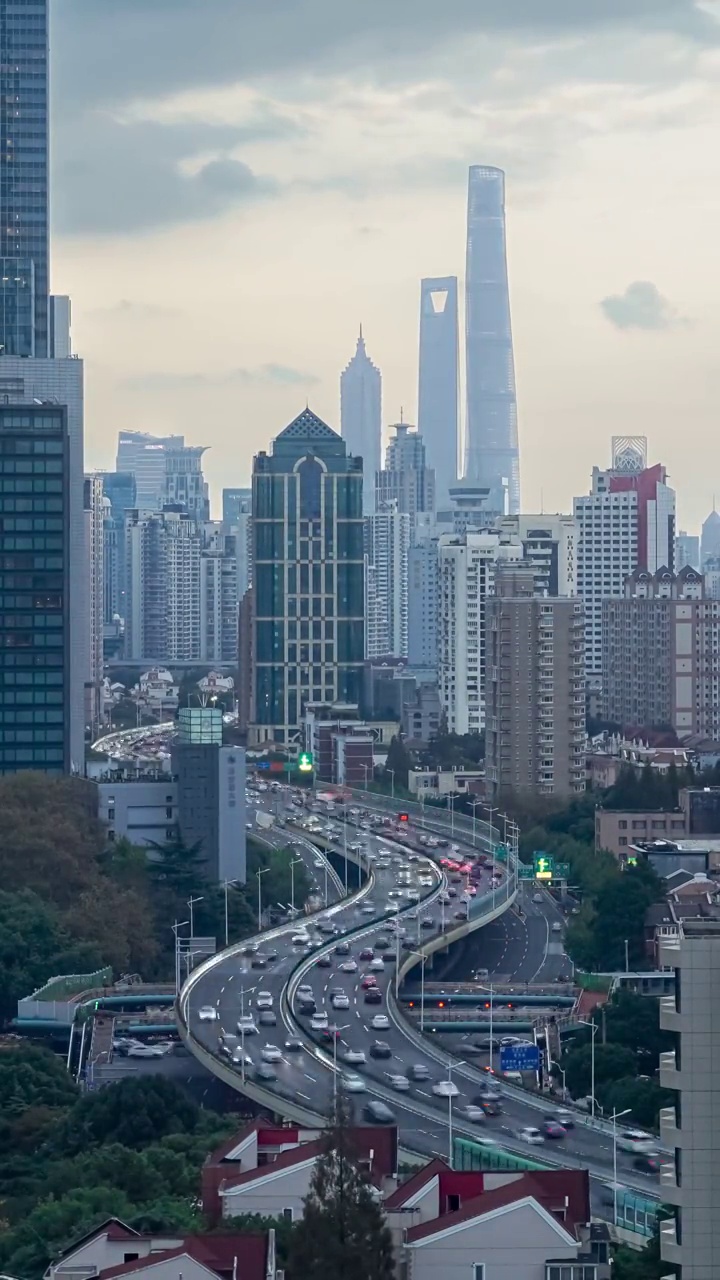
[[593, 1028], [615, 1117], [191, 903], [392, 782], [179, 924], [475, 804], [450, 1102], [365, 768], [421, 956], [294, 862], [244, 991], [263, 871], [345, 856]]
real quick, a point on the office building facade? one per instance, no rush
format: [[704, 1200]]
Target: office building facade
[[550, 545], [185, 484], [308, 642], [388, 536], [218, 597], [535, 689], [162, 620], [661, 655], [466, 578], [59, 383], [361, 417], [439, 380], [710, 538], [24, 154], [94, 506], [625, 523], [406, 479], [211, 793], [491, 442], [687, 551], [237, 520], [143, 455], [120, 493], [36, 693]]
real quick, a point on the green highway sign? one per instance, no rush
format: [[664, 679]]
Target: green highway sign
[[500, 853], [544, 866], [305, 762], [562, 870], [525, 872]]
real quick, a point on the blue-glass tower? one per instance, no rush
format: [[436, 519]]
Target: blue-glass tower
[[24, 177], [491, 442]]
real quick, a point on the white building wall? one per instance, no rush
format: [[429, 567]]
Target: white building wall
[[545, 537], [95, 552], [61, 381], [390, 534], [607, 555]]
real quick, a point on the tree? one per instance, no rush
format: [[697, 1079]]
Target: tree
[[611, 1063], [178, 866], [398, 762], [134, 1113], [343, 1231], [642, 1097], [34, 945], [643, 1264]]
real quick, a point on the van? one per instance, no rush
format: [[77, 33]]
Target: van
[[378, 1113]]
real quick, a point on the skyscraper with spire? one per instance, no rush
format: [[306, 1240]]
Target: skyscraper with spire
[[491, 443], [361, 417]]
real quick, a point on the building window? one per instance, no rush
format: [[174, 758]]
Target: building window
[[111, 815], [288, 1214], [478, 1271]]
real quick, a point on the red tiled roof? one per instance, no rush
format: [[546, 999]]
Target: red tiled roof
[[219, 1253], [548, 1192], [415, 1183], [286, 1160], [221, 1153], [117, 1230]]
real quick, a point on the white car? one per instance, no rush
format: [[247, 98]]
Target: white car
[[354, 1056], [340, 1002], [377, 965], [368, 909], [208, 1013], [446, 1089], [391, 908], [264, 1000], [304, 992], [271, 1053], [146, 1051], [300, 939], [380, 1022], [400, 1084], [636, 1141], [246, 1025], [349, 966], [532, 1135], [352, 1083], [319, 1022], [475, 1115]]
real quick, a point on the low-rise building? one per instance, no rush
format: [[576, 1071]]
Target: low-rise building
[[114, 1250], [427, 783], [617, 829]]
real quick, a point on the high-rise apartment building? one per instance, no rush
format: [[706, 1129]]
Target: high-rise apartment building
[[361, 417], [550, 545], [237, 520], [691, 1128], [185, 484], [162, 622], [661, 655], [308, 641], [687, 551], [466, 578], [423, 604], [235, 503], [491, 440], [94, 505], [218, 596], [56, 384], [143, 455], [24, 149], [439, 380], [388, 537], [38, 705], [626, 522], [406, 479], [535, 689], [120, 492]]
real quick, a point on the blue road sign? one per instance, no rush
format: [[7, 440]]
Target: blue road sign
[[262, 764], [520, 1057]]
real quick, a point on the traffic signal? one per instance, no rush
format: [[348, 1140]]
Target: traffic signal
[[305, 762], [403, 817]]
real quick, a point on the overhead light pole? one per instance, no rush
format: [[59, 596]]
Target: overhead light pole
[[294, 862], [262, 871], [616, 1115]]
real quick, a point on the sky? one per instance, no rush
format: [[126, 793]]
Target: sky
[[238, 185]]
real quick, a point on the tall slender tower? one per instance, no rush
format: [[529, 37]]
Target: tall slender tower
[[438, 380], [491, 445], [361, 417], [24, 178]]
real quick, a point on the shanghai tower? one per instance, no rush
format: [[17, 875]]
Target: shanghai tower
[[491, 443], [24, 177]]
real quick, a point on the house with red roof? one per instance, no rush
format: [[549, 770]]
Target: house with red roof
[[116, 1250]]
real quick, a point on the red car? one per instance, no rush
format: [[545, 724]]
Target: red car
[[368, 981], [367, 953]]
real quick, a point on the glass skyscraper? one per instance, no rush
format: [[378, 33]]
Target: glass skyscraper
[[438, 381], [35, 677], [24, 177], [308, 625], [491, 444]]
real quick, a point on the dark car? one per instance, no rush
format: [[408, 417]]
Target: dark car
[[270, 956], [342, 949], [373, 995], [328, 1036], [324, 962], [267, 1018], [293, 1045], [491, 1106], [565, 1118], [382, 944], [647, 1163], [378, 1113], [553, 1129], [263, 1071], [307, 1008], [258, 962], [380, 1049], [367, 953]]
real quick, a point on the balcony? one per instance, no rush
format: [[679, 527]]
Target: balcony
[[670, 1134], [670, 1077], [670, 1250], [670, 1192], [670, 1019]]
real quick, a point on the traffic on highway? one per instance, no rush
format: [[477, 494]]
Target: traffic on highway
[[309, 1008]]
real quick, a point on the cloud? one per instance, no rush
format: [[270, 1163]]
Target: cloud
[[278, 375], [641, 306]]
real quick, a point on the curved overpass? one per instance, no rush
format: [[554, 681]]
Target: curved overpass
[[305, 1080]]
